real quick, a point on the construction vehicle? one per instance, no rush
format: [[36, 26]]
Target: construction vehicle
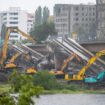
[[5, 47], [81, 74], [62, 71], [11, 63]]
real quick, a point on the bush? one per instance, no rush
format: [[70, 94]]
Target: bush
[[26, 93], [5, 99], [23, 84], [18, 80], [46, 80]]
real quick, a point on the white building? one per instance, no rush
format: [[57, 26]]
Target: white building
[[70, 18], [15, 17]]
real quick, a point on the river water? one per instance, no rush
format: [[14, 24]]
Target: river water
[[71, 99]]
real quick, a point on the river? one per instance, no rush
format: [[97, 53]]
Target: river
[[71, 99]]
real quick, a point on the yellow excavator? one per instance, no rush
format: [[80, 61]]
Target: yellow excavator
[[81, 74], [12, 60], [61, 71], [5, 48]]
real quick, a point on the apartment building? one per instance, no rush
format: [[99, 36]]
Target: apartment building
[[15, 17], [100, 10], [78, 19]]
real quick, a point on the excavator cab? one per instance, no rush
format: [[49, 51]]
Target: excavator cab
[[99, 78]]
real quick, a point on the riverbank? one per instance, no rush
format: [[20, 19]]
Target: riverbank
[[73, 90], [64, 91]]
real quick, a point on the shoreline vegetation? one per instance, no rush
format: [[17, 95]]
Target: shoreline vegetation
[[42, 83], [6, 88]]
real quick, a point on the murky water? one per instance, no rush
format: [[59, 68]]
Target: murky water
[[71, 99]]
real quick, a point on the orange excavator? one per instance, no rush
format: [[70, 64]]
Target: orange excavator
[[61, 72]]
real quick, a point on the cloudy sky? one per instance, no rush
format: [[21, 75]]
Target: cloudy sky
[[31, 5]]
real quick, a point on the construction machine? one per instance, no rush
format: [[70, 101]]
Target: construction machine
[[11, 63], [81, 74], [62, 71], [5, 48]]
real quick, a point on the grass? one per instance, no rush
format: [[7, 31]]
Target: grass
[[64, 91], [4, 88], [68, 89]]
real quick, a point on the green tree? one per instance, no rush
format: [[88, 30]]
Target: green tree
[[92, 31], [46, 80], [45, 14], [38, 16], [41, 32], [82, 34]]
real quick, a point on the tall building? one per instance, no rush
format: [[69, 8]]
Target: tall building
[[79, 19], [100, 8], [15, 17]]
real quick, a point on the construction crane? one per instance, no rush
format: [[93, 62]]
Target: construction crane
[[5, 47], [81, 74], [61, 71]]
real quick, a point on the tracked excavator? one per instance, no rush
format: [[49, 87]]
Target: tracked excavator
[[81, 74], [62, 71], [5, 48]]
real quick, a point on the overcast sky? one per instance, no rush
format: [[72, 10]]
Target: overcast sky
[[31, 5]]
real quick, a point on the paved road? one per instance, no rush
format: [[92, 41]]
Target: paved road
[[71, 99]]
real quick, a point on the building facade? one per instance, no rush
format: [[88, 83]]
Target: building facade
[[15, 17], [100, 7], [77, 20]]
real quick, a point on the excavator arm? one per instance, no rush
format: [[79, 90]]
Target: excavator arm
[[80, 75], [90, 62], [68, 60], [61, 71], [5, 47], [16, 29]]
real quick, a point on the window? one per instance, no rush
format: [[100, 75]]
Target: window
[[4, 14], [13, 13], [5, 18], [86, 14], [90, 8], [82, 8], [14, 18], [29, 20], [76, 14], [93, 8], [82, 14], [86, 19], [89, 14], [86, 25], [93, 14], [13, 36], [93, 19], [76, 19], [76, 8], [82, 19], [89, 19], [13, 22]]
